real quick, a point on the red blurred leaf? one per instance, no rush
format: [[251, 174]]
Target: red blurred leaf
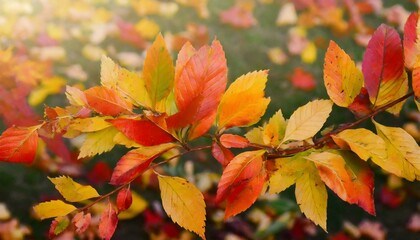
[[199, 86], [136, 162], [100, 173], [142, 131], [241, 182], [221, 154], [411, 50], [107, 101], [129, 34], [239, 17], [57, 146], [374, 230], [383, 60], [391, 198], [303, 80], [124, 199], [233, 141], [108, 223], [414, 223], [18, 144], [81, 221]]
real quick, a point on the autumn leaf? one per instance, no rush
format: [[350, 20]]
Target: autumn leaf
[[81, 221], [183, 203], [243, 104], [416, 82], [138, 205], [58, 225], [302, 79], [287, 171], [107, 101], [76, 97], [411, 42], [158, 72], [221, 154], [307, 120], [92, 124], [342, 79], [402, 150], [142, 131], [241, 182], [98, 142], [233, 141], [73, 191], [199, 86], [273, 131], [136, 162], [129, 84], [311, 195], [108, 223], [124, 199], [54, 208], [19, 144], [383, 66]]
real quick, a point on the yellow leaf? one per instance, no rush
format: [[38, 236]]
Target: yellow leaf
[[129, 84], [48, 87], [243, 103], [121, 139], [73, 191], [311, 195], [308, 54], [54, 208], [138, 205], [342, 79], [255, 135], [92, 124], [390, 91], [286, 173], [147, 28], [307, 120], [98, 142], [183, 203], [402, 150], [76, 96], [273, 131]]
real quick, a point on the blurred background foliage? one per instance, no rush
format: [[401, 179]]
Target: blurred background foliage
[[47, 44]]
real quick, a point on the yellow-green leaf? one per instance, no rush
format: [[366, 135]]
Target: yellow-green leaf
[[92, 124], [255, 135], [273, 131], [183, 203], [98, 142], [73, 191], [307, 120], [243, 103], [54, 208], [311, 195], [286, 173], [158, 72], [390, 91], [402, 150], [138, 205], [342, 79]]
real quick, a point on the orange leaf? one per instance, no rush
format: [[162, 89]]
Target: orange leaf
[[221, 154], [136, 162], [81, 221], [199, 86], [108, 223], [233, 141], [383, 61], [416, 81], [303, 80], [243, 104], [107, 101], [18, 144], [411, 43], [243, 173], [342, 79], [124, 199], [142, 131]]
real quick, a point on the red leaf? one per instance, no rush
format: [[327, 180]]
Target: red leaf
[[57, 146], [361, 105], [108, 223], [124, 199], [411, 50], [238, 17], [100, 173], [18, 144], [221, 154], [81, 221], [303, 80], [142, 131], [233, 141], [136, 162], [383, 60], [107, 101], [416, 81], [241, 182], [391, 198], [199, 86]]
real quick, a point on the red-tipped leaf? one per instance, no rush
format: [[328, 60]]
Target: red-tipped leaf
[[411, 44], [107, 101]]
